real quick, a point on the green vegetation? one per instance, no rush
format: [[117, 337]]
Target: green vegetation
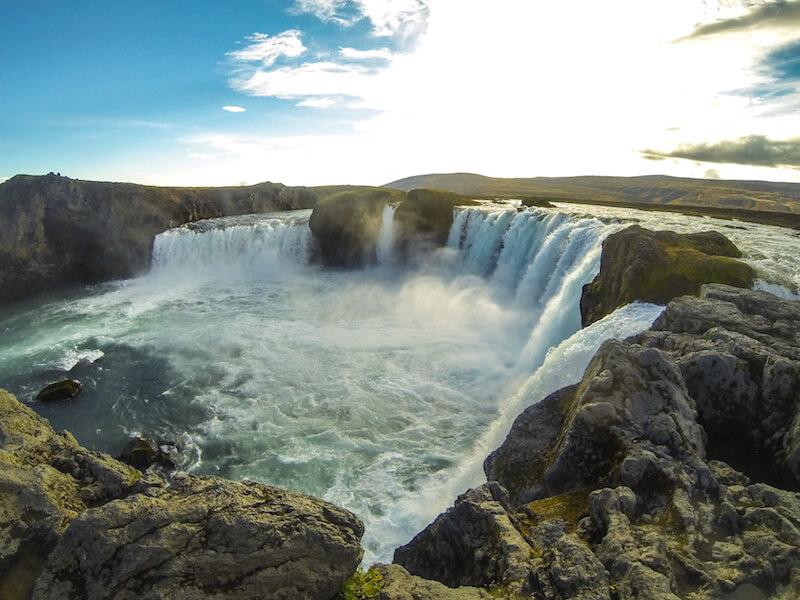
[[362, 585]]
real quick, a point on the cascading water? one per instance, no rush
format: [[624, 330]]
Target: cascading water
[[244, 242], [381, 390], [385, 246]]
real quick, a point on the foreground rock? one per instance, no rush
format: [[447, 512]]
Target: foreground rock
[[76, 524], [669, 471], [657, 266]]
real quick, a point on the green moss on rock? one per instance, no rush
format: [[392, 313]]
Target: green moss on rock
[[657, 266]]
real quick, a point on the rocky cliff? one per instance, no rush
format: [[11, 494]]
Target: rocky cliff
[[79, 525], [57, 232], [657, 266], [670, 470]]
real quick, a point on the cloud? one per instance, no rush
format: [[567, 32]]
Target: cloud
[[774, 15], [234, 109], [4, 179], [377, 54], [322, 102], [387, 17], [306, 81], [264, 49], [754, 150]]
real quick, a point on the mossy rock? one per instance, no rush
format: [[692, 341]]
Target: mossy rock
[[657, 266], [139, 453], [60, 390], [424, 218]]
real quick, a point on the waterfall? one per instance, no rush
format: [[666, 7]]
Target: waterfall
[[539, 259], [385, 246], [250, 242]]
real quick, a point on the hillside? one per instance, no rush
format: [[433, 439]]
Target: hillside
[[770, 202]]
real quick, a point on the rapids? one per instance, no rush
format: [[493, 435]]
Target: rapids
[[381, 390]]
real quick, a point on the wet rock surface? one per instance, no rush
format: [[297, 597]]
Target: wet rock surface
[[76, 524], [669, 471]]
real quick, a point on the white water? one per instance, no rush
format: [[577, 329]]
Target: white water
[[381, 390], [385, 246]]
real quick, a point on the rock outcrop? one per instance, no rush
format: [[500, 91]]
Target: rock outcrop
[[423, 219], [668, 471], [346, 226], [657, 266], [57, 232], [79, 525]]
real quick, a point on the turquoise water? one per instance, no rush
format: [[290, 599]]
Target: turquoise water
[[381, 390]]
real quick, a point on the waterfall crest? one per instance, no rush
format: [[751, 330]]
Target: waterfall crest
[[385, 246], [245, 242]]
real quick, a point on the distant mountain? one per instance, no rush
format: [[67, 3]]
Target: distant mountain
[[652, 190]]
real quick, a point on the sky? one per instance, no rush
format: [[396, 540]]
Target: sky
[[316, 92]]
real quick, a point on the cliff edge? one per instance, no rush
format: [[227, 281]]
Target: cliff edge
[[671, 470]]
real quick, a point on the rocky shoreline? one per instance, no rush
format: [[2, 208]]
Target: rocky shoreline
[[671, 470], [618, 487]]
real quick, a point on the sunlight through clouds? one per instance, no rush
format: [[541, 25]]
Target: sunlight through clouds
[[519, 87]]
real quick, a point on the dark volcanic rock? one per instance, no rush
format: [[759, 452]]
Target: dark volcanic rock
[[60, 390], [79, 525], [657, 266], [346, 226], [423, 219], [619, 487], [57, 232]]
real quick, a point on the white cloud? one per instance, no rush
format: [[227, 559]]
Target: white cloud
[[308, 80], [387, 17], [390, 17], [324, 10], [377, 54], [4, 179], [523, 89], [234, 109], [322, 102], [266, 50]]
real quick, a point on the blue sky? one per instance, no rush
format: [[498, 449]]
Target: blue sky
[[366, 91]]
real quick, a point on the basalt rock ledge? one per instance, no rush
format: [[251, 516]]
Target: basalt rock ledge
[[79, 525], [671, 470]]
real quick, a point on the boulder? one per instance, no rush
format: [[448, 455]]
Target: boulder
[[346, 226], [473, 543], [60, 390], [142, 453], [657, 266], [398, 584], [619, 487], [77, 524], [424, 217], [739, 353]]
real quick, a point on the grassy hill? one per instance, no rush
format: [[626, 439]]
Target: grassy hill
[[763, 201]]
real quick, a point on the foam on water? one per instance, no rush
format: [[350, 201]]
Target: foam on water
[[381, 390]]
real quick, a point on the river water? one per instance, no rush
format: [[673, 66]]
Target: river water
[[381, 390]]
